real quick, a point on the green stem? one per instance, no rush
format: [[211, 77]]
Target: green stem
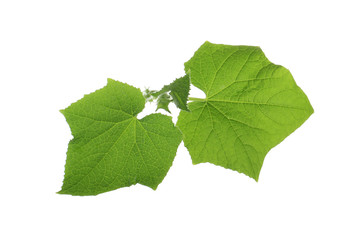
[[197, 99], [158, 93]]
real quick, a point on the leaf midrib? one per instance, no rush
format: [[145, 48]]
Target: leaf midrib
[[254, 103]]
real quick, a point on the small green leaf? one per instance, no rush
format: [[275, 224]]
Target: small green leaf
[[251, 105], [180, 92], [163, 102], [111, 148], [148, 95]]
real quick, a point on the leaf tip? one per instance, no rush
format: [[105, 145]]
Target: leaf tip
[[312, 111], [164, 108], [154, 187], [110, 80], [61, 192], [62, 111]]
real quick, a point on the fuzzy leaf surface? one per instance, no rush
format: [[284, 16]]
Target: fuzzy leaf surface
[[111, 148], [251, 105]]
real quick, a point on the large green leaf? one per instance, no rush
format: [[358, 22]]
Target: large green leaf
[[111, 148], [251, 105]]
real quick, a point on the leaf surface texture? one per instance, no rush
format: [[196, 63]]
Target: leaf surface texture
[[251, 105], [111, 148]]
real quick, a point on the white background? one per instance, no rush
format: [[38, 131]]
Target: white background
[[54, 52]]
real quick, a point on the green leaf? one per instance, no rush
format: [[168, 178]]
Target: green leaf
[[251, 105], [180, 92], [163, 102], [111, 148]]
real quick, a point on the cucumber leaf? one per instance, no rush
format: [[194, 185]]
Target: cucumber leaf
[[111, 148], [251, 105]]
